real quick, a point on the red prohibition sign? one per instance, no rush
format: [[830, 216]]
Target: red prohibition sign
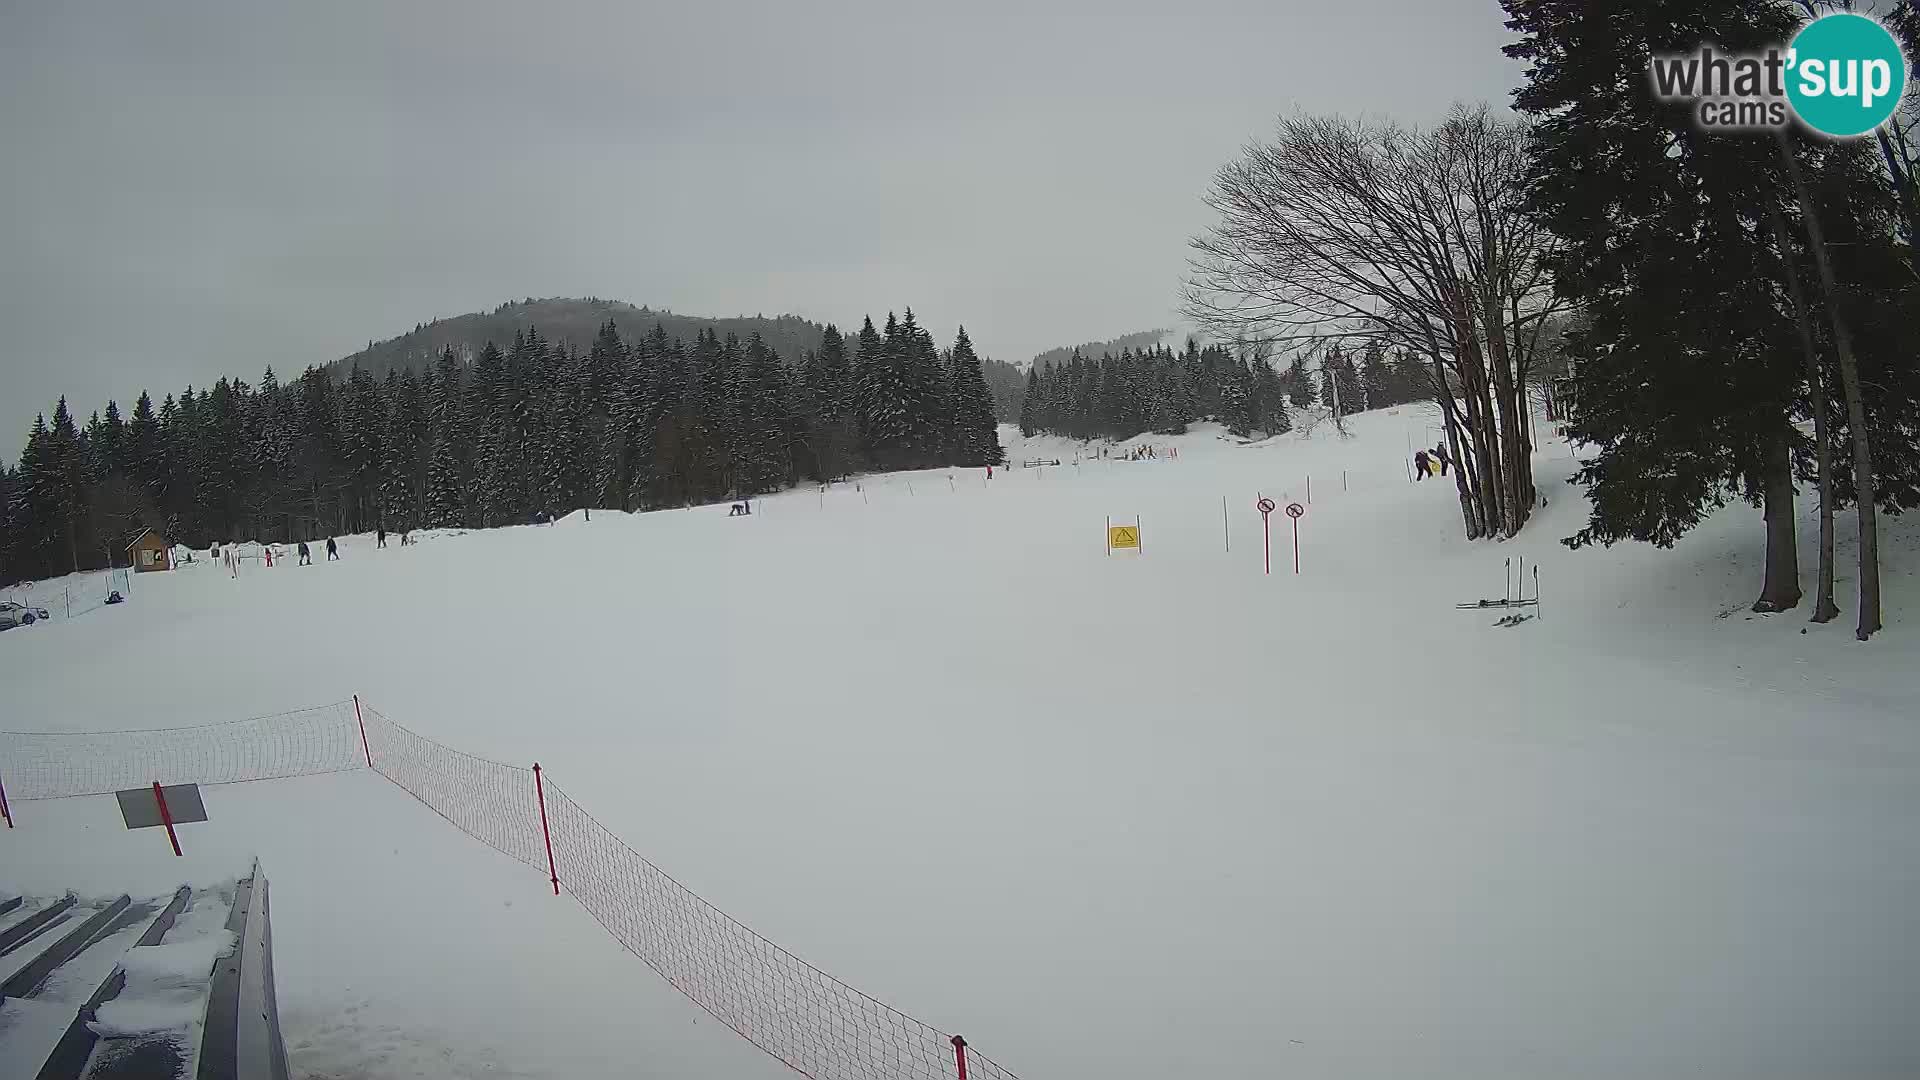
[[1265, 506], [1295, 510]]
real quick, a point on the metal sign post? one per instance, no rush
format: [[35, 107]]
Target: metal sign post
[[1265, 506], [1294, 510]]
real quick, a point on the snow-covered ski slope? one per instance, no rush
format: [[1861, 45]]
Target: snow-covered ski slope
[[1115, 817]]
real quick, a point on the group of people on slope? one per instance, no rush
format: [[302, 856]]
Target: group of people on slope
[[1433, 462], [306, 553], [1142, 453]]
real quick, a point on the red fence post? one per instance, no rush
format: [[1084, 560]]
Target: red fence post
[[4, 812], [960, 1055], [1296, 545], [540, 790], [166, 816], [361, 720]]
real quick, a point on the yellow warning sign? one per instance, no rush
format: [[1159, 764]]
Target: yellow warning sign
[[1123, 536]]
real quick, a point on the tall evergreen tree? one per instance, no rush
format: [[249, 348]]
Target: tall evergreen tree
[[1339, 381], [883, 395], [445, 502], [1686, 373], [977, 433], [1301, 386], [1376, 378], [1269, 401]]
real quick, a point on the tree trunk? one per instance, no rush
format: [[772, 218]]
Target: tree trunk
[[1864, 485], [1824, 609], [1482, 426], [1470, 502], [1781, 589], [1516, 474], [1472, 512]]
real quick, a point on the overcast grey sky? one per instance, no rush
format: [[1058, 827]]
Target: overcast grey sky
[[202, 187]]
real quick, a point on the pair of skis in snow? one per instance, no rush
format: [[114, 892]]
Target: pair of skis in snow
[[1513, 595]]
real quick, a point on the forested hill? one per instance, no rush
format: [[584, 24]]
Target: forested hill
[[572, 321], [1144, 341], [568, 321]]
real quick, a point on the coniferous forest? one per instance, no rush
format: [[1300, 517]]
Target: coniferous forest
[[1157, 390], [502, 437]]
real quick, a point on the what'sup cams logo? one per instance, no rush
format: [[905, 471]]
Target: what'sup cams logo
[[1842, 75]]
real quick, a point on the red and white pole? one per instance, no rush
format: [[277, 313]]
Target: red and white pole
[[540, 791], [166, 816], [960, 1055], [1266, 537]]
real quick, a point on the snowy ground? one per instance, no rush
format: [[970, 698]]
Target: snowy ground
[[1115, 817]]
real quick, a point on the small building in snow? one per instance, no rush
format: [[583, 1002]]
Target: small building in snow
[[149, 551]]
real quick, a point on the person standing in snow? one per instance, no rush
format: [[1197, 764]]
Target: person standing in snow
[[306, 556], [1440, 457], [380, 537], [333, 553], [1419, 465]]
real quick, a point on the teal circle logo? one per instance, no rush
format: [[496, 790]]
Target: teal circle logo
[[1845, 75]]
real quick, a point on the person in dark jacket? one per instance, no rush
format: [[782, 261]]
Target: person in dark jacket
[[333, 553], [1419, 465], [1440, 455], [306, 556], [380, 537]]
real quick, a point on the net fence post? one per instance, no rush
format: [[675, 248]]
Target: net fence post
[[362, 721], [166, 817], [540, 792], [4, 812], [960, 1055]]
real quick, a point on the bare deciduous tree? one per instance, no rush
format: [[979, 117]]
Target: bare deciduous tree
[[1340, 229]]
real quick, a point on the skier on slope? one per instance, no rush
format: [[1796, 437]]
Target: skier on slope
[[306, 556], [333, 553], [380, 537], [1419, 464]]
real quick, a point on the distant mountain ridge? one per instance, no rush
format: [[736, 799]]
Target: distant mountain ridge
[[569, 320]]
